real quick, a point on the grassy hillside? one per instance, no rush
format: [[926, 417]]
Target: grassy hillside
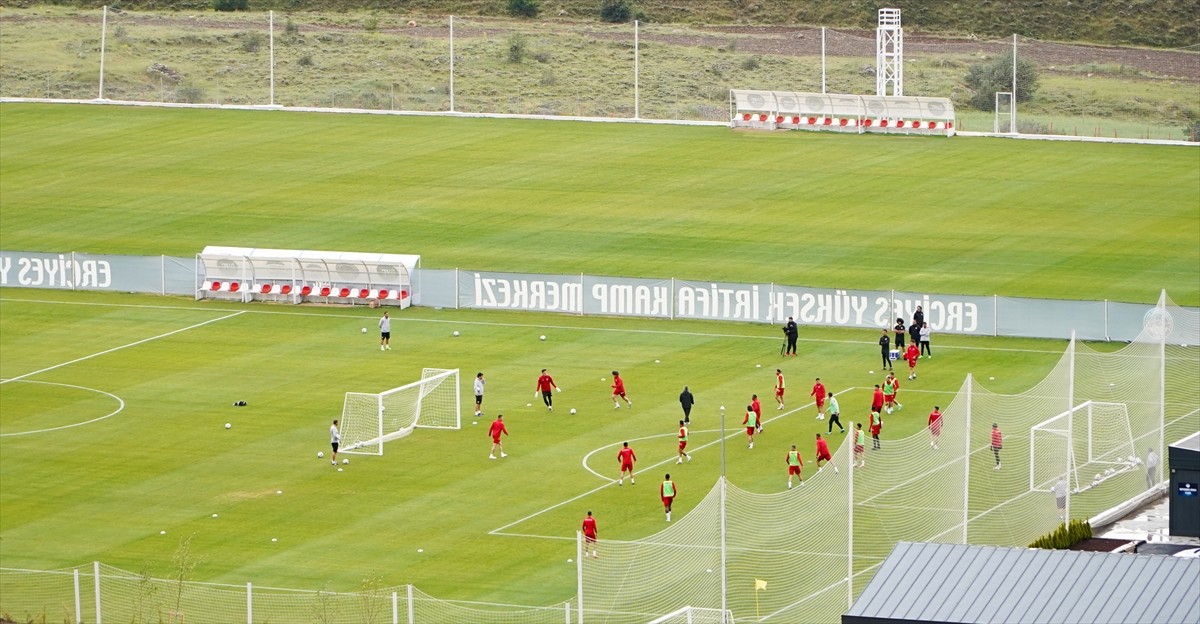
[[1164, 23]]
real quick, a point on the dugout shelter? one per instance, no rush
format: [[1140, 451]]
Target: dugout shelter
[[305, 276], [787, 110]]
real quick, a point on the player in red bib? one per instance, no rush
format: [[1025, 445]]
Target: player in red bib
[[626, 457], [589, 536], [935, 426], [683, 436], [779, 387], [757, 407], [495, 431], [912, 355], [818, 394], [750, 421], [618, 387], [823, 454], [877, 399], [546, 387]]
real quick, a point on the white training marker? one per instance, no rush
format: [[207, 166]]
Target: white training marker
[[657, 361], [420, 550], [870, 372], [529, 405], [279, 491], [991, 379], [709, 570], [214, 515], [758, 366], [570, 561], [274, 539], [339, 469], [162, 532]]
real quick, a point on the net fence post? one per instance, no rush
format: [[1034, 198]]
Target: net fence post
[[579, 573], [96, 580], [78, 605], [567, 610], [409, 592], [103, 39], [395, 608], [967, 462], [1071, 426], [452, 65], [271, 33], [249, 603], [636, 93], [850, 520]]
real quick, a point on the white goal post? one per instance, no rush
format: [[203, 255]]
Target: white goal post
[[695, 615], [1086, 445], [369, 420]]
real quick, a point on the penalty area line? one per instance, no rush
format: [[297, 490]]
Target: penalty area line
[[125, 346]]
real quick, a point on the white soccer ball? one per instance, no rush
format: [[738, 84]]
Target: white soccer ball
[[345, 461], [456, 334], [1096, 479], [339, 469], [657, 361], [364, 330], [572, 410], [320, 454], [529, 405], [543, 337], [228, 425], [215, 516]]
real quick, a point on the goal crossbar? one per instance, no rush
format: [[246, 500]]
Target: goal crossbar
[[1093, 433]]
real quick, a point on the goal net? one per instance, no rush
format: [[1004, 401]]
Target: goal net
[[369, 420], [695, 615], [1085, 446]]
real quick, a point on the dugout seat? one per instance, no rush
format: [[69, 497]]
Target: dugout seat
[[383, 293], [364, 293], [344, 292], [286, 289], [326, 291], [215, 286], [265, 289], [234, 286]]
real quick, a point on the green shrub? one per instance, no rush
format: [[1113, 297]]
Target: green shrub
[[370, 23], [985, 79], [252, 41], [190, 93], [615, 11], [524, 8], [231, 5], [516, 48], [1065, 536]]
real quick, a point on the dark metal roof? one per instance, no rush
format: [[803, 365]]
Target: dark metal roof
[[1192, 442], [955, 583]]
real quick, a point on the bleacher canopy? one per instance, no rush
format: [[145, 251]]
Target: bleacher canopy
[[790, 110]]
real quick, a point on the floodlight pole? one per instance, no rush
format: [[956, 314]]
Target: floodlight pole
[[637, 100], [103, 38], [272, 29], [1013, 112], [1070, 427], [724, 574]]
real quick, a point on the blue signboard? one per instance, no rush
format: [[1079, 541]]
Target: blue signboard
[[1187, 489]]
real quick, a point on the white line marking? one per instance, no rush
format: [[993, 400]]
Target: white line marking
[[132, 344], [558, 327], [120, 406]]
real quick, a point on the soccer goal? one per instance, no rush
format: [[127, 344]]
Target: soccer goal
[[369, 420], [695, 615], [1086, 445]]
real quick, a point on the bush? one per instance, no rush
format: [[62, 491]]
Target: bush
[[370, 23], [516, 48], [985, 79], [231, 5], [1065, 536], [524, 8], [252, 41], [615, 11], [190, 93]]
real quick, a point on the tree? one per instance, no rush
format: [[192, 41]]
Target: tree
[[615, 11], [524, 8], [985, 79]]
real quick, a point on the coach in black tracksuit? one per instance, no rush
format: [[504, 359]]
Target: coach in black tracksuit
[[686, 401], [885, 345], [792, 332]]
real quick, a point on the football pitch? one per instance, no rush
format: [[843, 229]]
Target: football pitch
[[113, 406]]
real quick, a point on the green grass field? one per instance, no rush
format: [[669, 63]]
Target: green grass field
[[973, 216]]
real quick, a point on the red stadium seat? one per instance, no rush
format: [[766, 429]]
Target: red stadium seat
[[234, 286], [795, 120], [383, 293], [745, 116], [344, 292], [326, 291], [214, 286], [843, 121], [265, 289], [932, 125], [867, 123], [286, 289], [883, 123], [762, 116], [404, 294], [365, 293], [827, 121], [949, 124]]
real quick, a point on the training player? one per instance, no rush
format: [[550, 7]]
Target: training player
[[795, 465], [667, 492], [683, 435], [912, 355], [779, 387], [757, 407], [626, 457], [891, 386], [335, 439], [479, 394], [818, 393], [876, 426], [834, 412], [823, 454], [495, 430], [546, 386], [618, 387], [935, 427], [589, 535], [860, 444], [385, 332], [751, 423], [877, 400]]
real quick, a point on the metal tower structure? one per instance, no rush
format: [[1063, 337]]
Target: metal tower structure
[[889, 53]]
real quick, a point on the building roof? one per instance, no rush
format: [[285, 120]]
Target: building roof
[[921, 582], [1192, 442]]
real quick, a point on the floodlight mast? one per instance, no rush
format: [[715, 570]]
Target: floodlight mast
[[889, 54]]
